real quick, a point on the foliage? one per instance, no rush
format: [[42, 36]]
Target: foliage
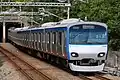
[[107, 11]]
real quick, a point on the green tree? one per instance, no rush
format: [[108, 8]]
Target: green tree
[[107, 11]]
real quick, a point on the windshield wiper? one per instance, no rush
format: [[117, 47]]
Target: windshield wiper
[[96, 43]]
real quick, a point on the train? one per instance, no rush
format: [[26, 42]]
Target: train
[[82, 46]]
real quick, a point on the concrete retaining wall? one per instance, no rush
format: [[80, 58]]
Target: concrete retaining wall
[[113, 59]]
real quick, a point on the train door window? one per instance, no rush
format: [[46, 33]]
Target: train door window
[[39, 37], [35, 37], [39, 40], [50, 41], [42, 36], [30, 36], [36, 40], [48, 37], [32, 40], [64, 43], [54, 38], [37, 34], [26, 39], [60, 38], [24, 36], [46, 41]]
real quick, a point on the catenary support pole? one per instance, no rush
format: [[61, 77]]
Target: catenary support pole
[[4, 32]]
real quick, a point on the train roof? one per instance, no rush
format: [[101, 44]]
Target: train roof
[[62, 23]]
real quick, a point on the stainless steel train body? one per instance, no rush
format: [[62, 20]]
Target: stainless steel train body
[[82, 44]]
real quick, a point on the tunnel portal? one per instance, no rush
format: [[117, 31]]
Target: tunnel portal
[[7, 26]]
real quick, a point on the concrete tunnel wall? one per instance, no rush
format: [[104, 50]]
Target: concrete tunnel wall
[[7, 26]]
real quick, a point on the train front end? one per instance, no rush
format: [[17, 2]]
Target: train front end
[[87, 47]]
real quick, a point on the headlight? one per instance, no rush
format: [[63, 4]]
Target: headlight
[[101, 54], [74, 54]]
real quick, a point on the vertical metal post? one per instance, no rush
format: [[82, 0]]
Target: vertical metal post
[[20, 16], [68, 13], [68, 10], [32, 17], [4, 32]]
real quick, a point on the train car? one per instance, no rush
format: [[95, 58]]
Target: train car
[[80, 45]]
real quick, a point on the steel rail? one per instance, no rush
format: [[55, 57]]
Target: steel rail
[[19, 68], [37, 71], [84, 77], [101, 77]]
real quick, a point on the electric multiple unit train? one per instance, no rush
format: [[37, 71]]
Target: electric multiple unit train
[[81, 45]]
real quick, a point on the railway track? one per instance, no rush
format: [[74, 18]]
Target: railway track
[[95, 77], [101, 77], [35, 74], [25, 68]]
